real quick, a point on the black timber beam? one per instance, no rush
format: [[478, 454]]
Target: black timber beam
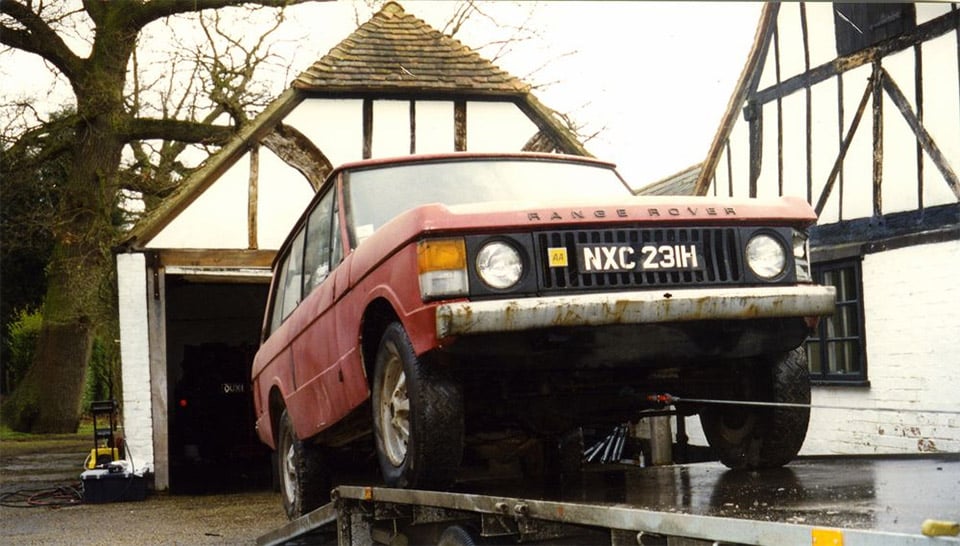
[[927, 31]]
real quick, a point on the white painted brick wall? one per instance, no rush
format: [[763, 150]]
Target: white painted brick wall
[[135, 359], [912, 325]]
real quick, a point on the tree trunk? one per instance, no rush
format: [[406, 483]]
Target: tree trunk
[[48, 399]]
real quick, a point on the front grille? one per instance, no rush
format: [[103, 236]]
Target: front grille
[[719, 247]]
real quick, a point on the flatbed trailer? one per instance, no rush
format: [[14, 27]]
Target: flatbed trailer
[[837, 501]]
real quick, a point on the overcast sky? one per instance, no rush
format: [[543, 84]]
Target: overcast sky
[[654, 76]]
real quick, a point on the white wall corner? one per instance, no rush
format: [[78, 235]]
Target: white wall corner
[[135, 360]]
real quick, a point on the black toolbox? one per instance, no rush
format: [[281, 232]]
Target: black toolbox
[[108, 485]]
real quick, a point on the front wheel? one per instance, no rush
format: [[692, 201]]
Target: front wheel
[[753, 437], [304, 480], [417, 416]]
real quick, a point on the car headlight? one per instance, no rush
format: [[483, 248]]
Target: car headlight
[[499, 265], [766, 256]]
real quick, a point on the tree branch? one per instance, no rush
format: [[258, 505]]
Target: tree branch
[[37, 37], [43, 143], [96, 10], [158, 9], [171, 129]]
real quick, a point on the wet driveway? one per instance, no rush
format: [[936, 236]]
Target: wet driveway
[[889, 494]]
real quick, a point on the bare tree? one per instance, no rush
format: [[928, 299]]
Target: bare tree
[[136, 122], [110, 118]]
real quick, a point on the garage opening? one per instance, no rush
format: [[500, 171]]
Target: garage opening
[[212, 333]]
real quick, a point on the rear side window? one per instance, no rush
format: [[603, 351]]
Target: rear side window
[[290, 284], [317, 261], [276, 310]]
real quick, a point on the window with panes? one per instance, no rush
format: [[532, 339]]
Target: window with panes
[[837, 349]]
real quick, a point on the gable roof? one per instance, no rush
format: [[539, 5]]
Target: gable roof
[[394, 53], [681, 183], [397, 52]]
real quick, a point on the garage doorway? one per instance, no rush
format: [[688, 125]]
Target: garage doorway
[[212, 334]]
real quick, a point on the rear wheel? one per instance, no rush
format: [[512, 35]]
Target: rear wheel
[[417, 414], [304, 481], [750, 437]]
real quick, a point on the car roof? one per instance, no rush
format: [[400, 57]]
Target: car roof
[[467, 156]]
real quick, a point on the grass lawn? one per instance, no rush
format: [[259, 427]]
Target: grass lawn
[[22, 443]]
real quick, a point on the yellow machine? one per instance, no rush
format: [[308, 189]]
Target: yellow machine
[[100, 456], [105, 442]]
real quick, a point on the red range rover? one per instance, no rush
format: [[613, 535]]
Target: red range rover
[[434, 302]]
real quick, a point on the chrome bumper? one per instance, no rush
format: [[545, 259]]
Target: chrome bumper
[[635, 307]]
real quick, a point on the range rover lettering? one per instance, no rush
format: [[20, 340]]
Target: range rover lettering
[[427, 305]]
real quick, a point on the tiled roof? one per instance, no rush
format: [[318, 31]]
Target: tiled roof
[[397, 52], [681, 183]]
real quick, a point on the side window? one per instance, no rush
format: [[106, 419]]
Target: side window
[[837, 350], [316, 260], [276, 310], [293, 277]]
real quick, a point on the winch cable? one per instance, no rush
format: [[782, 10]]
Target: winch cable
[[669, 399]]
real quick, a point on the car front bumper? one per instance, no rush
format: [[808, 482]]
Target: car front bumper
[[635, 307]]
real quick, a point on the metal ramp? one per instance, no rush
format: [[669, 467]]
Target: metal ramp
[[837, 500]]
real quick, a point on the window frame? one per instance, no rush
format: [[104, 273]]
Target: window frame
[[280, 289], [824, 339], [276, 297], [325, 211], [293, 286]]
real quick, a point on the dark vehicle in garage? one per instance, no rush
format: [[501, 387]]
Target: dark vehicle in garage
[[435, 302], [213, 446]]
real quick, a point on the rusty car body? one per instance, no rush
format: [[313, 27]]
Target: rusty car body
[[433, 302]]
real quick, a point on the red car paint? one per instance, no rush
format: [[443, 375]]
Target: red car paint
[[314, 361]]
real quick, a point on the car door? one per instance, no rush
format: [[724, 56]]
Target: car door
[[273, 364], [317, 399]]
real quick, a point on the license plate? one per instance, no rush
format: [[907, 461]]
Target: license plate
[[648, 257], [233, 388]]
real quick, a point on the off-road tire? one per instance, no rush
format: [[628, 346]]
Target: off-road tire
[[417, 415], [755, 437], [304, 480]]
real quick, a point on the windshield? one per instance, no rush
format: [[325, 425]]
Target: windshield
[[377, 195]]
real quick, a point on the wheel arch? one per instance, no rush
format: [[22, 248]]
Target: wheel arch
[[376, 317], [275, 407]]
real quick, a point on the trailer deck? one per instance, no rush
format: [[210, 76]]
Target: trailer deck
[[824, 500]]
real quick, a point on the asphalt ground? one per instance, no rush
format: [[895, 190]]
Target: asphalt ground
[[41, 493]]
